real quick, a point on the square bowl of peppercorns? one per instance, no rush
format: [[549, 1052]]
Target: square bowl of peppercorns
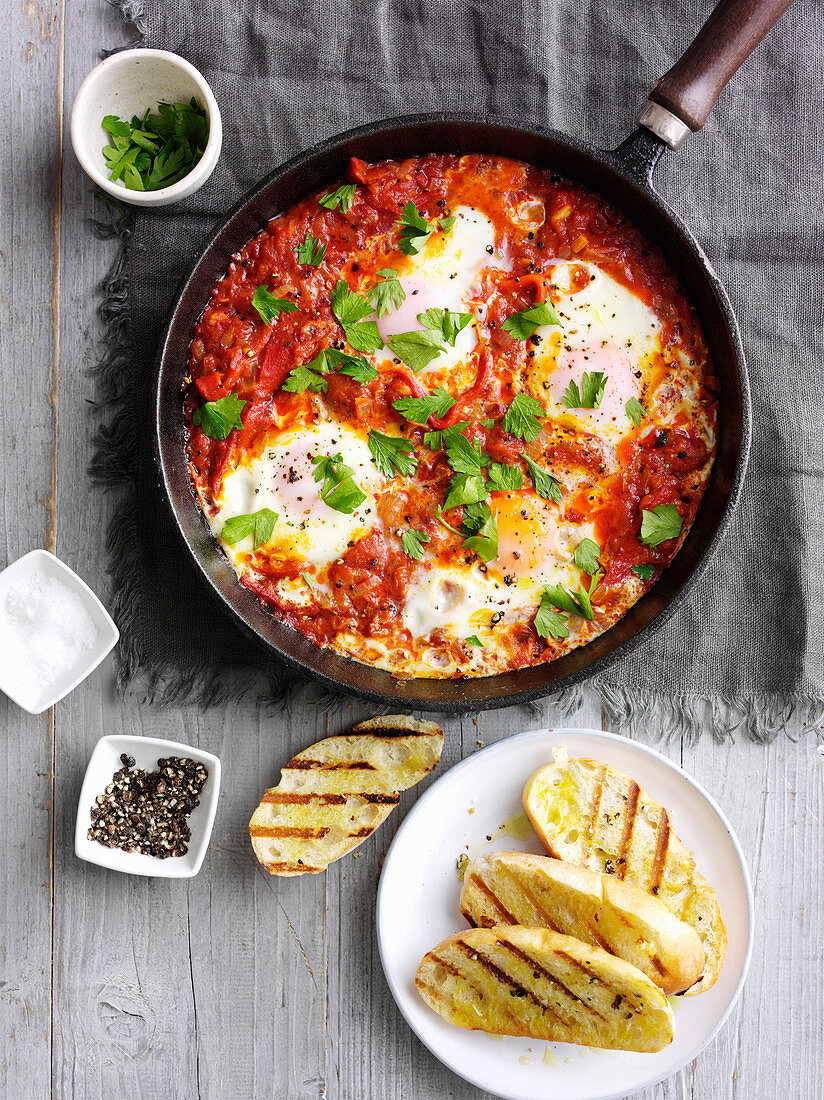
[[147, 806]]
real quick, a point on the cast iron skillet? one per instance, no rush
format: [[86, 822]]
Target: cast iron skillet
[[680, 102]]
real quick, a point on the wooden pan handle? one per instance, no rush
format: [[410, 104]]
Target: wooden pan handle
[[689, 90]]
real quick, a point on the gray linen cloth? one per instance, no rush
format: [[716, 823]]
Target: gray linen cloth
[[748, 647]]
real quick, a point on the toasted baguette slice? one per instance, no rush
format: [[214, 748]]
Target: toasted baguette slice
[[513, 888], [593, 815], [334, 794], [511, 980]]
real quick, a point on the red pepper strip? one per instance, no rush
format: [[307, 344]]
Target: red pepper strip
[[216, 476], [276, 363], [235, 368], [485, 364]]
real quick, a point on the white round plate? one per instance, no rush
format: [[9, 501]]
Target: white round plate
[[418, 907]]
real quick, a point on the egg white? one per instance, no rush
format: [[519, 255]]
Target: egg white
[[604, 327], [281, 478], [443, 275]]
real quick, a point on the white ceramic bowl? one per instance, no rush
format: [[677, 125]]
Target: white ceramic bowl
[[126, 84], [44, 564], [104, 762]]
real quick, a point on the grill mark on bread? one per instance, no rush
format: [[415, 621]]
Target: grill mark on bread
[[629, 822], [660, 851], [539, 909], [553, 979], [297, 764], [288, 831], [495, 901], [288, 798], [597, 795], [450, 968], [501, 976]]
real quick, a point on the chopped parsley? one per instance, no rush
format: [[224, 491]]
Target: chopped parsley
[[521, 418], [447, 223], [310, 251], [464, 457], [644, 571], [350, 311], [445, 323], [545, 484], [659, 524], [473, 639], [157, 149], [465, 489], [388, 295], [479, 521], [589, 396], [304, 378], [419, 409], [548, 623], [217, 418], [586, 556], [524, 324], [575, 603], [338, 490], [417, 349], [342, 197], [391, 453], [268, 306], [308, 375], [260, 524], [415, 230], [504, 478], [635, 411], [435, 439], [413, 543]]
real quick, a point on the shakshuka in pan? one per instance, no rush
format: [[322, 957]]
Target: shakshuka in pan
[[452, 417]]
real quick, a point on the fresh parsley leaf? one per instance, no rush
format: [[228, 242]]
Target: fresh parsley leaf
[[358, 369], [310, 251], [473, 639], [635, 411], [268, 306], [488, 424], [416, 349], [353, 365], [413, 543], [350, 311], [479, 521], [435, 439], [415, 230], [644, 571], [307, 579], [575, 603], [464, 457], [339, 490], [445, 323], [548, 623], [217, 418], [261, 524], [448, 526], [545, 484], [303, 378], [342, 197], [659, 524], [589, 395], [389, 295], [158, 149], [447, 223], [521, 418], [391, 453], [586, 556], [522, 325], [465, 489], [504, 478], [419, 409]]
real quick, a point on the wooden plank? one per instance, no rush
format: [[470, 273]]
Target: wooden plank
[[29, 169]]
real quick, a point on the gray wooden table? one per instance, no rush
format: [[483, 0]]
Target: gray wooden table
[[235, 984]]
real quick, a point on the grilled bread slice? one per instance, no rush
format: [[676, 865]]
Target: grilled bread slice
[[514, 888], [511, 980], [593, 815], [334, 794]]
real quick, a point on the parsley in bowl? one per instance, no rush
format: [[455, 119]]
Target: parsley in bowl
[[158, 149]]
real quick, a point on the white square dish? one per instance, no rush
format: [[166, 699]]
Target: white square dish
[[40, 563], [104, 762]]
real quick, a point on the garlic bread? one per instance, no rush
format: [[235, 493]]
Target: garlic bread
[[334, 794], [592, 815], [539, 892], [511, 980]]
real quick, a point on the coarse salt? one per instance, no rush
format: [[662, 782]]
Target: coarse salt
[[44, 631]]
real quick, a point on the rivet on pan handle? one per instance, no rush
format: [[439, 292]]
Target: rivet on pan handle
[[682, 99]]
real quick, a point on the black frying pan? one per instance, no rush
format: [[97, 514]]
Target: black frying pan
[[679, 103]]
